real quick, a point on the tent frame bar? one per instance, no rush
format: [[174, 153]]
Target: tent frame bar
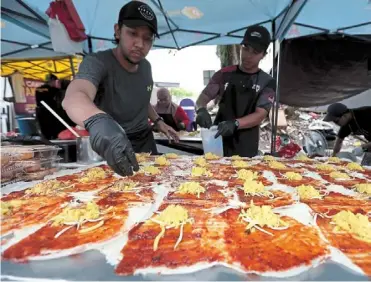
[[32, 11]]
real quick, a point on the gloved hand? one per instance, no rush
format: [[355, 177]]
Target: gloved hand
[[109, 140], [203, 118], [226, 128], [358, 151]]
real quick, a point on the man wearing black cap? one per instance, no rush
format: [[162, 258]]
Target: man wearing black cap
[[245, 93], [111, 93], [351, 121]]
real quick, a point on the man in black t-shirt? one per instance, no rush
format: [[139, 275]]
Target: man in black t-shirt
[[351, 121], [245, 94]]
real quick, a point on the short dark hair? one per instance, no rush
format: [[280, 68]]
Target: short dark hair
[[51, 77]]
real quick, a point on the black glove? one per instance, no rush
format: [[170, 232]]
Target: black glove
[[203, 118], [226, 128], [109, 140]]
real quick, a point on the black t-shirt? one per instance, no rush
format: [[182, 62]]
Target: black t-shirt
[[359, 125]]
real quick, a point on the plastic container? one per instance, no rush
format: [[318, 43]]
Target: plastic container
[[18, 152], [210, 143]]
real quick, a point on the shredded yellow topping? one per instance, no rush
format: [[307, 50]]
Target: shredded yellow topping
[[152, 170], [269, 158], [8, 206], [325, 167], [339, 175], [77, 215], [303, 157], [142, 157], [200, 161], [236, 158], [191, 188], [307, 192], [245, 174], [211, 156], [255, 188], [123, 185], [358, 225], [334, 160], [95, 173], [200, 171], [355, 166], [259, 217], [171, 156], [240, 164], [364, 188], [277, 165], [48, 187], [293, 176], [174, 216], [162, 161]]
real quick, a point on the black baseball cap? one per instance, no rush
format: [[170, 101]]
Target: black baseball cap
[[258, 37], [137, 13], [335, 111]]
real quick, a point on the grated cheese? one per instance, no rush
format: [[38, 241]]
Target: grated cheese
[[236, 158], [325, 167], [240, 164], [277, 165], [303, 157], [269, 158], [152, 170], [334, 160], [259, 217], [211, 156], [200, 171], [339, 175], [245, 174], [171, 156], [142, 157], [174, 216], [162, 161], [191, 188], [8, 206], [364, 188], [95, 173], [307, 192], [200, 161], [355, 166], [255, 188], [48, 187], [293, 175], [123, 185], [356, 224]]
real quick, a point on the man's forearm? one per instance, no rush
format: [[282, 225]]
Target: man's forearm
[[202, 101], [80, 107], [251, 120], [337, 146], [152, 114]]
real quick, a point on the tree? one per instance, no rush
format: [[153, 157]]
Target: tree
[[228, 54], [181, 92]]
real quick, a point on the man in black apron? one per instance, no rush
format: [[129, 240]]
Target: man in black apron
[[351, 121], [110, 95], [245, 94]]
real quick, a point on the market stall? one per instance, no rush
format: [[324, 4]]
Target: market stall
[[236, 219]]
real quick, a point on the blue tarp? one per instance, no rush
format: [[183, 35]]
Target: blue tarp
[[350, 17], [24, 32], [181, 23]]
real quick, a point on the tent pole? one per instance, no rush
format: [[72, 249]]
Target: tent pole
[[273, 133], [72, 67], [90, 45], [277, 97]]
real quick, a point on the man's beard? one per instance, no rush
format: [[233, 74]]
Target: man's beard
[[126, 57]]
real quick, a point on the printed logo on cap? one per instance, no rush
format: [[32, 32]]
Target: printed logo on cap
[[255, 33], [146, 12]]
